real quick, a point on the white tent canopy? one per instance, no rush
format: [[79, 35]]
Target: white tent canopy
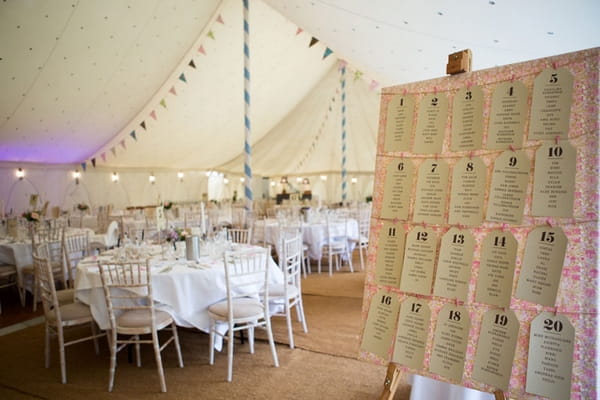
[[150, 85]]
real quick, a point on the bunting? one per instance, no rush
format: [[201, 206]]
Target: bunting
[[113, 150], [313, 41], [173, 91], [93, 160], [123, 144], [153, 114], [357, 75], [163, 103], [373, 85], [103, 155], [132, 134], [220, 19], [299, 31], [192, 64], [211, 35], [83, 166], [201, 50], [182, 77], [143, 125], [327, 53]]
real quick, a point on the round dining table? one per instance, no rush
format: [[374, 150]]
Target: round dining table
[[183, 288]]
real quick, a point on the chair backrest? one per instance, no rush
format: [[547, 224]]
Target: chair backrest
[[337, 231], [258, 232], [45, 276], [290, 258], [53, 250], [127, 286], [76, 247], [239, 235], [247, 274]]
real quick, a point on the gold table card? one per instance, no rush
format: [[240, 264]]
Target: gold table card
[[381, 323], [554, 180], [431, 192], [542, 265], [390, 253], [468, 192], [550, 358], [496, 270], [507, 116], [496, 348], [419, 261], [411, 336], [454, 264], [467, 119], [397, 189], [399, 123], [431, 124], [508, 189], [551, 104], [450, 342]]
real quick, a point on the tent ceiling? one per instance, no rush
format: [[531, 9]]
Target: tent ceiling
[[80, 77]]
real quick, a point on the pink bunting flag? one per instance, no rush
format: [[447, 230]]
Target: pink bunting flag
[[123, 144], [103, 155], [373, 84], [342, 64], [153, 115], [299, 31], [220, 20], [201, 50], [172, 91]]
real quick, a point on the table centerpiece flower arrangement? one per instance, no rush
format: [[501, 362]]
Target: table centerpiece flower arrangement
[[31, 216], [82, 207], [167, 205], [175, 235]]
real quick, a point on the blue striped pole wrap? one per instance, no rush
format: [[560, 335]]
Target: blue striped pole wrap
[[344, 172], [247, 149]]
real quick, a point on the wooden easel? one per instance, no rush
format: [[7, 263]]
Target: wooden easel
[[392, 380]]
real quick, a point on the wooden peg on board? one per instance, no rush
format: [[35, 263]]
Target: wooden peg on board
[[459, 62], [499, 395], [392, 379]]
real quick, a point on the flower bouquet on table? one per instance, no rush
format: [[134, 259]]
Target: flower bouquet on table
[[167, 205], [82, 207], [32, 216]]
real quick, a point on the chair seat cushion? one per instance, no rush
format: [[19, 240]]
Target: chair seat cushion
[[141, 318], [71, 312], [65, 296], [242, 308], [279, 291]]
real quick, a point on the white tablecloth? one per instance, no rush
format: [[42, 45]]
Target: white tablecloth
[[183, 289], [313, 234]]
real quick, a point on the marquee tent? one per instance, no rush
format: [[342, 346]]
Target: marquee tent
[[143, 86]]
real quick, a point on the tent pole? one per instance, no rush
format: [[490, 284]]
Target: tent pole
[[344, 172], [247, 149]]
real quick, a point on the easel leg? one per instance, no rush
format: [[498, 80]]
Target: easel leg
[[499, 395], [392, 379]]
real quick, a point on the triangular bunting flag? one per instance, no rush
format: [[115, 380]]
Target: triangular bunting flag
[[182, 78], [357, 75], [132, 134], [373, 85], [191, 64], [83, 166], [123, 144], [220, 20], [153, 114], [299, 31], [163, 103], [172, 91], [313, 41], [201, 50], [143, 125], [211, 35], [113, 150], [103, 155], [93, 160], [343, 64], [327, 52]]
